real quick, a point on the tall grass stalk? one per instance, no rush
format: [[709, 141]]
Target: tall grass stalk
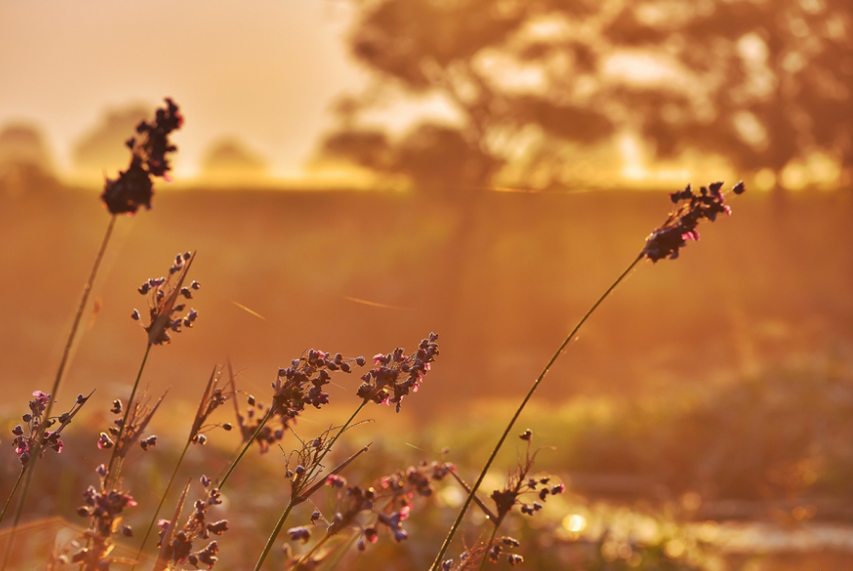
[[298, 495], [438, 559], [245, 449], [113, 477], [54, 391], [204, 409], [663, 243]]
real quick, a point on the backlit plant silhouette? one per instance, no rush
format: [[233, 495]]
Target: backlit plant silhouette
[[664, 242]]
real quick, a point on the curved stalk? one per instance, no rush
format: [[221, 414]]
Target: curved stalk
[[162, 500], [54, 391], [245, 449], [110, 475], [311, 551], [295, 497], [12, 493], [489, 546], [554, 357]]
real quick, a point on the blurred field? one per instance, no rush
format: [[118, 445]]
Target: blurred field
[[501, 280], [725, 374]]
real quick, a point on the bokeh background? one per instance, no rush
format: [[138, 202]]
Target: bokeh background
[[357, 174]]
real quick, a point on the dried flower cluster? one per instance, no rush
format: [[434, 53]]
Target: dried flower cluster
[[213, 398], [302, 383], [134, 188], [518, 484], [176, 546], [387, 504], [254, 416], [666, 241], [103, 507], [37, 436], [138, 419], [164, 311], [384, 385]]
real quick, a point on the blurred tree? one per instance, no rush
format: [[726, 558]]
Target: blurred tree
[[230, 158], [535, 82], [102, 150], [25, 162]]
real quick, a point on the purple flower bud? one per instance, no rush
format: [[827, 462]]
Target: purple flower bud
[[219, 527], [302, 534]]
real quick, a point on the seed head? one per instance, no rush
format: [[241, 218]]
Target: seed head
[[134, 188], [668, 239]]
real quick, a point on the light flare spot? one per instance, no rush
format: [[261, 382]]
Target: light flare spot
[[574, 523]]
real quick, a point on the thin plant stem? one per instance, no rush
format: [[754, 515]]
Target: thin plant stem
[[295, 496], [271, 539], [311, 551], [162, 500], [489, 546], [245, 448], [110, 475], [54, 391], [554, 357], [57, 381], [12, 493]]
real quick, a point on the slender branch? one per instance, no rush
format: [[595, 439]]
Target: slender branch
[[162, 500], [311, 551], [437, 563], [489, 546], [54, 391], [110, 475], [271, 539], [245, 448], [296, 496], [12, 493]]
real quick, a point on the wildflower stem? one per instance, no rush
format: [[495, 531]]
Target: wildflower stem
[[245, 448], [311, 551], [54, 391], [489, 546], [12, 494], [162, 500], [121, 428], [271, 539], [437, 563], [296, 496]]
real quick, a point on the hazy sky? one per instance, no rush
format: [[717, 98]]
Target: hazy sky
[[264, 70]]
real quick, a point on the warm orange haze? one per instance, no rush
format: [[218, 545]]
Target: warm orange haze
[[351, 176]]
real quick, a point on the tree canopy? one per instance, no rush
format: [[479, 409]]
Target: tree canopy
[[536, 82]]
